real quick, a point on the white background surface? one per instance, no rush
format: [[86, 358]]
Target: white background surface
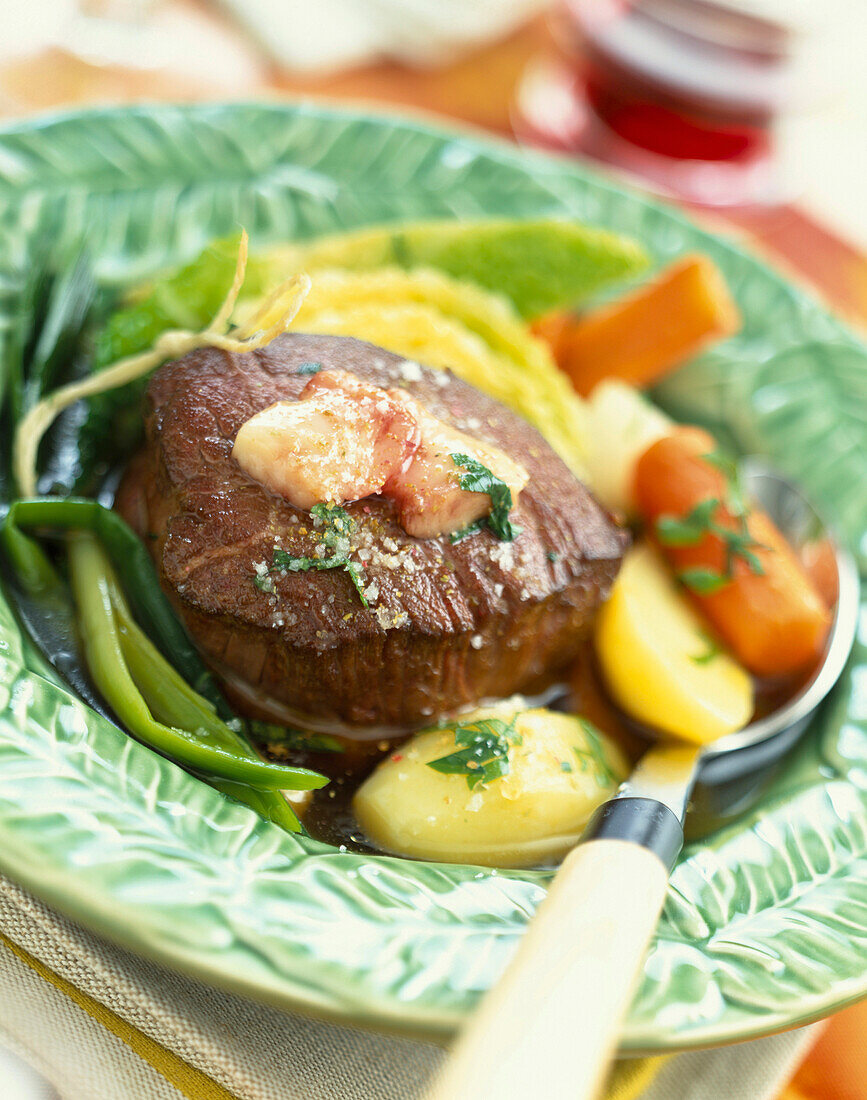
[[825, 149]]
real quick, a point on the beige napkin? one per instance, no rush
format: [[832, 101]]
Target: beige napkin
[[102, 1024]]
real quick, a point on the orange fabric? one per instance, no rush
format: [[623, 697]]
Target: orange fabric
[[836, 1067]]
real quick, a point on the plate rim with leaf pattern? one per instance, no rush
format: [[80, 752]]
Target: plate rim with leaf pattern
[[766, 922]]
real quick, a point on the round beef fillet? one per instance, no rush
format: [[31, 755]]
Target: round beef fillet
[[448, 624]]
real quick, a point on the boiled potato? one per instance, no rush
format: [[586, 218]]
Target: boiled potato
[[621, 425], [559, 770], [658, 661]]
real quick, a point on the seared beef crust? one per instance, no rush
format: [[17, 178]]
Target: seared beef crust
[[448, 624]]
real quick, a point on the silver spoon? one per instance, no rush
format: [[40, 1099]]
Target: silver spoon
[[550, 1026]]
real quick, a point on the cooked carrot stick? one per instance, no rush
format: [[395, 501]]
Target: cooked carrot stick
[[736, 565], [643, 336]]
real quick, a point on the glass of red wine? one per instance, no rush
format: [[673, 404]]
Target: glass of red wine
[[684, 94]]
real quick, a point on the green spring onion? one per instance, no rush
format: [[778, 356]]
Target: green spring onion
[[133, 564], [168, 697], [173, 702], [90, 586]]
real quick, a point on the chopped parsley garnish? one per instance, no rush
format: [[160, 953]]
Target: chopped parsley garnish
[[703, 581], [308, 368], [593, 756], [483, 751], [689, 530], [465, 532], [479, 479], [711, 653], [337, 528], [735, 499]]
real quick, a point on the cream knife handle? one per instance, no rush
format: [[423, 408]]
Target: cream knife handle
[[550, 1027]]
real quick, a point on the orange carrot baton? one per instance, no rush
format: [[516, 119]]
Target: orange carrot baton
[[641, 337], [732, 559]]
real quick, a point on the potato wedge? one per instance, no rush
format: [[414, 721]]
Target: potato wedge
[[621, 424], [658, 661], [560, 770]]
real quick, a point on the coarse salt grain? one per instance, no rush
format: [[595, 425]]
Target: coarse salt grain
[[409, 370], [503, 555]]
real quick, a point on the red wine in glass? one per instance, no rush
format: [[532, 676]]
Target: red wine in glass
[[682, 93]]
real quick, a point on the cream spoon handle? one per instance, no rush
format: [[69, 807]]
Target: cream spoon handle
[[550, 1026]]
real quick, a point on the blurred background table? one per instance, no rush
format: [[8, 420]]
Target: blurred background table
[[52, 56], [63, 54]]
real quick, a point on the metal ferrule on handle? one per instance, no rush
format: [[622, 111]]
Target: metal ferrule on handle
[[642, 821]]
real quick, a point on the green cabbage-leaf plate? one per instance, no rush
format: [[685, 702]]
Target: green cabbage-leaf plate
[[766, 921]]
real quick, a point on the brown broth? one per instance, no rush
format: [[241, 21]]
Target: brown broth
[[328, 816]]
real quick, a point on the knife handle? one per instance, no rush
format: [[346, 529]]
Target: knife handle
[[550, 1026]]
